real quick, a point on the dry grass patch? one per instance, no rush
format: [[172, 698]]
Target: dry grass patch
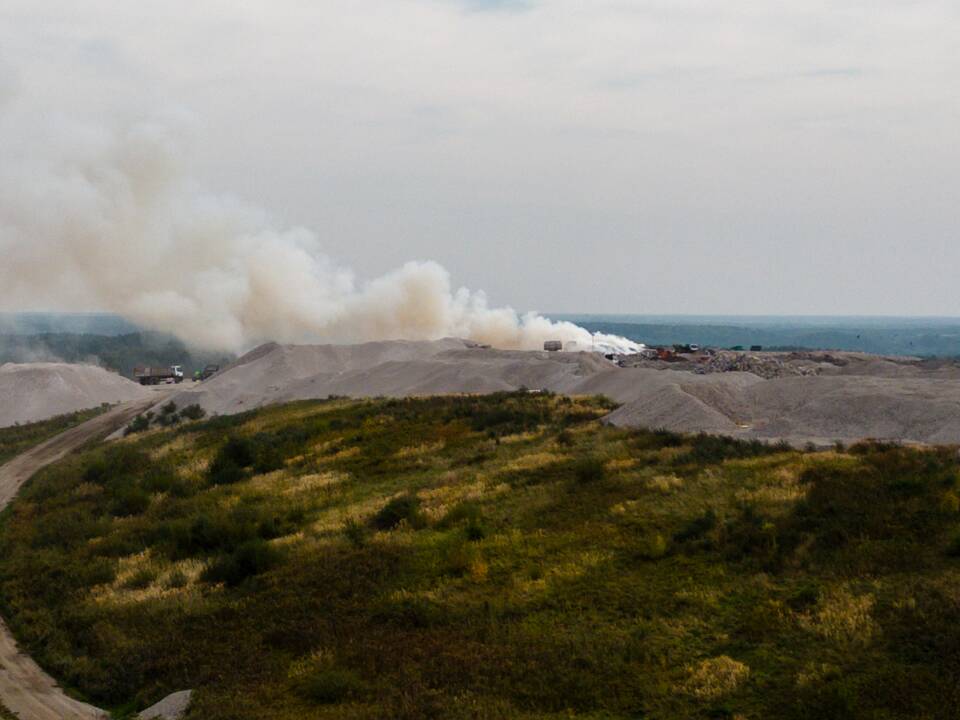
[[715, 678], [843, 618], [533, 461]]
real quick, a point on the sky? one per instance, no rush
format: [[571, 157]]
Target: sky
[[666, 156]]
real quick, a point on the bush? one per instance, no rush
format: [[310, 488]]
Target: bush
[[131, 501], [228, 466], [698, 527], [470, 516], [400, 509], [224, 471], [140, 423], [141, 579], [356, 532], [708, 449], [589, 470], [330, 685], [193, 412], [249, 559], [239, 450], [652, 547], [953, 549], [176, 579]]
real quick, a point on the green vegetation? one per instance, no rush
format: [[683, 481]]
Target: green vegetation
[[20, 438], [169, 416], [505, 556]]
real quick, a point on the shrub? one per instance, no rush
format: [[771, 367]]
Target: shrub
[[193, 412], [231, 460], [698, 527], [400, 509], [131, 501], [141, 579], [470, 516], [716, 677], [139, 424], [169, 409], [707, 449], [330, 685], [239, 450], [652, 547], [253, 557], [589, 470], [475, 530], [953, 548], [176, 579], [356, 532], [168, 419], [224, 471]]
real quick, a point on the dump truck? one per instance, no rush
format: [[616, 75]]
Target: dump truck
[[553, 346], [147, 375]]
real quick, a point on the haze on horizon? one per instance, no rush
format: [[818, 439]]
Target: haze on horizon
[[642, 157]]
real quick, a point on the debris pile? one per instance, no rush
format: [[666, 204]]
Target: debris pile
[[767, 366]]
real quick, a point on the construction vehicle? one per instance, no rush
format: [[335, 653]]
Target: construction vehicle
[[208, 372], [553, 346], [146, 375]]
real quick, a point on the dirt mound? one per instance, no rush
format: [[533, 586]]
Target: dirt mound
[[36, 391], [850, 398], [281, 373]]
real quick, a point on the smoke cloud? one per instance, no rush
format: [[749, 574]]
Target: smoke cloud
[[111, 220]]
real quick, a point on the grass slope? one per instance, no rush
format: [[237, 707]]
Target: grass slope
[[504, 556], [20, 438]]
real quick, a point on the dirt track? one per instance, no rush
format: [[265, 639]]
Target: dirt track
[[25, 689]]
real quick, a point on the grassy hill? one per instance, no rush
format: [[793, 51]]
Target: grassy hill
[[505, 556], [20, 438]]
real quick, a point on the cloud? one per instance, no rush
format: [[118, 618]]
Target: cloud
[[620, 149]]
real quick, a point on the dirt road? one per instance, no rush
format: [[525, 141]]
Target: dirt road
[[25, 689]]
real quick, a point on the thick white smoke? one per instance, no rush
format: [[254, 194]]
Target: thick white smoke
[[111, 220]]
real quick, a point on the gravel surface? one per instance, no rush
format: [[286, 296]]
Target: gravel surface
[[799, 397]]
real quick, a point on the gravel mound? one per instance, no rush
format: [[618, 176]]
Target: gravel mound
[[172, 707], [851, 397], [36, 391]]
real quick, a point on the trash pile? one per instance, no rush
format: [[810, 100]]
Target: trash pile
[[766, 366]]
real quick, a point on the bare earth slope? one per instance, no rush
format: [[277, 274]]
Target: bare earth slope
[[849, 397], [36, 391]]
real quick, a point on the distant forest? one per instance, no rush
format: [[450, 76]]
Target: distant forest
[[119, 353]]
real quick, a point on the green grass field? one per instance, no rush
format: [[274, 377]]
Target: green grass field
[[505, 556]]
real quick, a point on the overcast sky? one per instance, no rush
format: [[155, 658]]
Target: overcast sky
[[798, 157]]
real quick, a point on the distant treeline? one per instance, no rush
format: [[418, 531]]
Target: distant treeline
[[34, 323], [939, 341], [119, 353]]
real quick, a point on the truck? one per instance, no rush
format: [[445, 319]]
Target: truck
[[208, 372], [553, 346], [146, 375]]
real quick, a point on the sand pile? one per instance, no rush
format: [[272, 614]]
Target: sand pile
[[37, 391], [280, 373], [862, 397]]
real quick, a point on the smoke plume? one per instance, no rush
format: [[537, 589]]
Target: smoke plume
[[111, 220]]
